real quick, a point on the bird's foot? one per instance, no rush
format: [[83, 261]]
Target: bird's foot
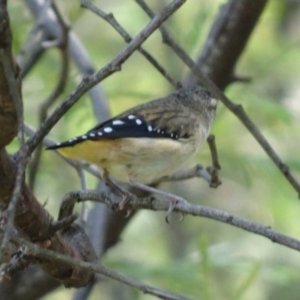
[[174, 199], [123, 203], [172, 206]]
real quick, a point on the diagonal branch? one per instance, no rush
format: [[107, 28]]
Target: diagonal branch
[[227, 40], [37, 252], [184, 207], [116, 25]]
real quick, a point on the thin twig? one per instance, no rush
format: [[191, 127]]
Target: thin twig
[[83, 182], [62, 224], [30, 45], [214, 170], [234, 108], [17, 262], [197, 171], [38, 252], [213, 151], [116, 25]]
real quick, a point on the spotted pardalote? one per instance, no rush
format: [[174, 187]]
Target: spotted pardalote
[[148, 141]]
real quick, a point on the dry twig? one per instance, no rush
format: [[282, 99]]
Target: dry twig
[[184, 207]]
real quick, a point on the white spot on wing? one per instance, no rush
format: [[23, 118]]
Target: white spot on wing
[[84, 137], [130, 117], [99, 133], [107, 129], [158, 130], [58, 144], [138, 122], [213, 102], [118, 122], [92, 134], [149, 128]]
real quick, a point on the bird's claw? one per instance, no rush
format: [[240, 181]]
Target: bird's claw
[[171, 208], [121, 207]]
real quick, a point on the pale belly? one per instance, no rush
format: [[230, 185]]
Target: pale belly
[[147, 160]]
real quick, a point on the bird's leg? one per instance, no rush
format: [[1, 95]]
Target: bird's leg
[[174, 199], [126, 196]]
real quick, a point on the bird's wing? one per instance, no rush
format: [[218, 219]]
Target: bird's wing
[[155, 119]]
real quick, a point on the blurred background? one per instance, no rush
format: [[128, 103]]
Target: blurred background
[[198, 258]]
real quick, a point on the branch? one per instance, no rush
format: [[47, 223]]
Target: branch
[[13, 89], [227, 40], [8, 115], [127, 38], [214, 170], [183, 207], [197, 171], [38, 252]]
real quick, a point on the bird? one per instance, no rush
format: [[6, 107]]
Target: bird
[[149, 141]]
